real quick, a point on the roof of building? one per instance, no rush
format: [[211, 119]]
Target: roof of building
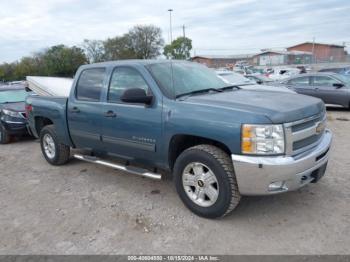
[[238, 56], [312, 43], [283, 52]]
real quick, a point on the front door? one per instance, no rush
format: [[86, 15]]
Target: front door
[[131, 130], [84, 109]]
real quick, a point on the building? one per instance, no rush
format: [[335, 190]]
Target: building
[[274, 57], [322, 52], [216, 61]]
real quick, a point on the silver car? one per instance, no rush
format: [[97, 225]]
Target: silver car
[[332, 88]]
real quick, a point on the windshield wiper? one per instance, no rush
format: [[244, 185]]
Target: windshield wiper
[[198, 92]]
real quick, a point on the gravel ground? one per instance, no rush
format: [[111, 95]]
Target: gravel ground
[[81, 208]]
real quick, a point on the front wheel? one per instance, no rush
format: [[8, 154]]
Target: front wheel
[[205, 181], [54, 152]]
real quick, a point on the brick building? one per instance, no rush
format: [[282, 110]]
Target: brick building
[[216, 61], [322, 52]]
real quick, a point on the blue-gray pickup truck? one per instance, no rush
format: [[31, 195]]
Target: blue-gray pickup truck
[[153, 117]]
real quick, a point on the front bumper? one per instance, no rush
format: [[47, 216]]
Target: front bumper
[[255, 174], [14, 127]]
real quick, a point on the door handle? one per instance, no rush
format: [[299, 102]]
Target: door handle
[[110, 113], [75, 110]]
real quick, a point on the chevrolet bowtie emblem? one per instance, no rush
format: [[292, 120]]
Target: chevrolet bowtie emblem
[[320, 127]]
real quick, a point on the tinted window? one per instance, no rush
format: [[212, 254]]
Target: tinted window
[[300, 81], [124, 78], [90, 84], [324, 81]]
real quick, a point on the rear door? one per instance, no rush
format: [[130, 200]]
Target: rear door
[[301, 85], [131, 130], [85, 110], [330, 94]]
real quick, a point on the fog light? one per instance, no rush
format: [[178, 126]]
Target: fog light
[[277, 186]]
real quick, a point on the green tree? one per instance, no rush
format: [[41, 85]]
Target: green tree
[[179, 49], [117, 48], [63, 61]]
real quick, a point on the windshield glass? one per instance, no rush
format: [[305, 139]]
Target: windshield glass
[[179, 78], [345, 79], [12, 96], [235, 79]]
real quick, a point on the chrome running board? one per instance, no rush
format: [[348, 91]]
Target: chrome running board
[[129, 169]]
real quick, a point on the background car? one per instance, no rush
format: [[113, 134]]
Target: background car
[[260, 79], [332, 88], [339, 70], [12, 113], [245, 83]]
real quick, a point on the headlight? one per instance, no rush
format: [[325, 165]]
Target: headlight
[[11, 113], [262, 139]]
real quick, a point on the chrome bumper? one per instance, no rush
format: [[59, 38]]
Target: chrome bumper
[[255, 174]]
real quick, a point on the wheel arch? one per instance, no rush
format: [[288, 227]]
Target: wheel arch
[[181, 142]]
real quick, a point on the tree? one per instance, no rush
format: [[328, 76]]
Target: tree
[[94, 50], [63, 61], [179, 49], [118, 47], [146, 41]]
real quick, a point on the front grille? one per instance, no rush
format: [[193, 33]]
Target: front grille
[[304, 134], [306, 142]]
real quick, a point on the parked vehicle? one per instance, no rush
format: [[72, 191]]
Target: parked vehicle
[[279, 74], [218, 141], [260, 79], [236, 79], [12, 113], [332, 88], [339, 70]]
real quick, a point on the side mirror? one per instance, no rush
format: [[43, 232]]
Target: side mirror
[[338, 85], [136, 95], [259, 82]]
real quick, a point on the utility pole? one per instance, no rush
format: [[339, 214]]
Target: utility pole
[[171, 29], [313, 50], [184, 31]]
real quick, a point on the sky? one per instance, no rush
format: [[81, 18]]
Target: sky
[[215, 26]]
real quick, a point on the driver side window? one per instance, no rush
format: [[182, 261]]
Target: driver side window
[[124, 78], [324, 81]]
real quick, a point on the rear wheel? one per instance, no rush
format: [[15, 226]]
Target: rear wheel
[[5, 138], [54, 152], [205, 181]]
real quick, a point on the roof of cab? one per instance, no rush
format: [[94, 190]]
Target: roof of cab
[[143, 62]]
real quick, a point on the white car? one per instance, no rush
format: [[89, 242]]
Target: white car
[[245, 83]]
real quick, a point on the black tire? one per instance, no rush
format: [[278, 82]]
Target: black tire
[[61, 152], [5, 138], [221, 165]]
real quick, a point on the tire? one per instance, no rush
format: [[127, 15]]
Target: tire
[[210, 160], [5, 138], [54, 152]]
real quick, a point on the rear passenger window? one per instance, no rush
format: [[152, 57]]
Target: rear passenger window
[[300, 81], [90, 84]]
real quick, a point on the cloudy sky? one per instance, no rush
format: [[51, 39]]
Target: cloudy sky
[[216, 27]]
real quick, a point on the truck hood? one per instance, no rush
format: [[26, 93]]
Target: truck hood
[[17, 107], [277, 106]]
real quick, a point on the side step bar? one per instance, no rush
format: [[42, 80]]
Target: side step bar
[[132, 170]]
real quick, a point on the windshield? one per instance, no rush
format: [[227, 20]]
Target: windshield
[[179, 78], [344, 78], [12, 96], [235, 79]]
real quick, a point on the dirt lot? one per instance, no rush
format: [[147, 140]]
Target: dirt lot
[[85, 209]]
